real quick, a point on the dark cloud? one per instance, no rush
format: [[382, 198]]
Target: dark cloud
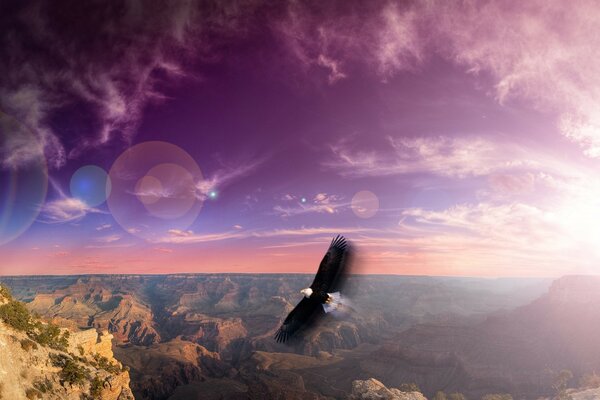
[[79, 74]]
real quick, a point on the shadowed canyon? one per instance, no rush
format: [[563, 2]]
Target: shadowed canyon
[[210, 336]]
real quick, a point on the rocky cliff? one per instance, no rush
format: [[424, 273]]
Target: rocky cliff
[[372, 389], [36, 363]]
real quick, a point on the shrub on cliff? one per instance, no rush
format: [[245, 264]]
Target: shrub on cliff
[[96, 387], [32, 394], [5, 292], [105, 364], [16, 315], [50, 335], [27, 345], [71, 372]]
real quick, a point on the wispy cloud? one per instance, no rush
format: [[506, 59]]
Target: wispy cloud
[[180, 233], [113, 62], [537, 51], [108, 239], [103, 227], [191, 237], [457, 157], [320, 203], [66, 210], [330, 41], [224, 177]]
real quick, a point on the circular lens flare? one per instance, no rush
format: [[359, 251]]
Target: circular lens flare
[[365, 204], [167, 191], [91, 185], [23, 178], [154, 189]]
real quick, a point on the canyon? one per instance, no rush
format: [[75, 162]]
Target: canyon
[[209, 336]]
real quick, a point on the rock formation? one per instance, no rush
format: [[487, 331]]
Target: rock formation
[[372, 389], [30, 369]]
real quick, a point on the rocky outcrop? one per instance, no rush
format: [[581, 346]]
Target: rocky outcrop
[[30, 369], [372, 389], [215, 334], [86, 305], [586, 394]]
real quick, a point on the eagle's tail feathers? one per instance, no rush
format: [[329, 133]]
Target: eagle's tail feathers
[[335, 300]]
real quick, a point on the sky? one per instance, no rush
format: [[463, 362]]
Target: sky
[[441, 138]]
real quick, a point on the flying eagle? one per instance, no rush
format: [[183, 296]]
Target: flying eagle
[[320, 297]]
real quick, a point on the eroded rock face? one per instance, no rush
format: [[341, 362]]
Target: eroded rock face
[[372, 389], [30, 371]]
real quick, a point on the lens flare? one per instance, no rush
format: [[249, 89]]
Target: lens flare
[[23, 178], [154, 189], [365, 204], [167, 191], [91, 185]]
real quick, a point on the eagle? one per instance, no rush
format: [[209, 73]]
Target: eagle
[[320, 297]]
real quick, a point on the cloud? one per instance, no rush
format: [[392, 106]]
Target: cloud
[[108, 239], [224, 177], [191, 237], [537, 51], [457, 157], [100, 66], [179, 233], [66, 210], [103, 227], [178, 237], [321, 203], [332, 40]]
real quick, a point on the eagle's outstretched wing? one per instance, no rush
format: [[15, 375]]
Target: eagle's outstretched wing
[[297, 318], [327, 278], [331, 266]]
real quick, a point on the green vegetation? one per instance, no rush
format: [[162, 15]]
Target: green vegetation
[[104, 363], [27, 344], [15, 314], [80, 349], [96, 387], [497, 396], [409, 387], [32, 393], [71, 372], [44, 386], [5, 292], [50, 335]]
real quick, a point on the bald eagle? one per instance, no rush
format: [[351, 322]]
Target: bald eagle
[[319, 298]]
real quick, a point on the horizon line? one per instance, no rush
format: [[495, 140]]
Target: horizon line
[[284, 274]]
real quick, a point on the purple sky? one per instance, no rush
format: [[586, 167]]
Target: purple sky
[[442, 139]]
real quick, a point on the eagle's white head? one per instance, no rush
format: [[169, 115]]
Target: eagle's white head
[[306, 292]]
